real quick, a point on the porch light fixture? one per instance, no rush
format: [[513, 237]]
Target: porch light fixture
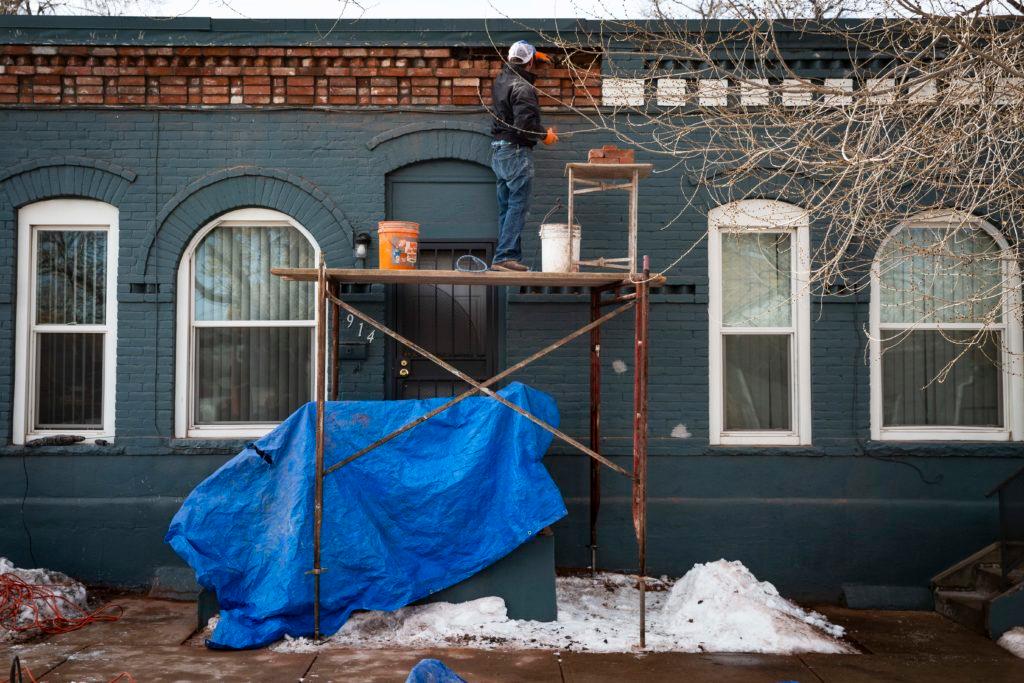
[[362, 247]]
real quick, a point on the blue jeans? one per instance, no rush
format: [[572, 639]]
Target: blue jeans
[[513, 167]]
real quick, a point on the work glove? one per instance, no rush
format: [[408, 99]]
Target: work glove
[[551, 138]]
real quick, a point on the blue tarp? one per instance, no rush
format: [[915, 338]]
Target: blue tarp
[[433, 671], [423, 512]]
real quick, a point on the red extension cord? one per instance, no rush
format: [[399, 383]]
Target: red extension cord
[[17, 594], [52, 613]]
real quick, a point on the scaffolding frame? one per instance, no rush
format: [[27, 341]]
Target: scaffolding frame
[[605, 289], [603, 178]]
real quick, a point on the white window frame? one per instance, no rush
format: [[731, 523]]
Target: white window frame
[[61, 215], [185, 326], [1013, 386], [766, 216]]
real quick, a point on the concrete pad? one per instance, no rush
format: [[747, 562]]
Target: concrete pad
[[39, 657], [904, 669], [675, 666], [144, 622], [473, 665], [912, 633], [167, 664]]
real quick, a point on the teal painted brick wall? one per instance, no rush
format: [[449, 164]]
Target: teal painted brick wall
[[843, 510]]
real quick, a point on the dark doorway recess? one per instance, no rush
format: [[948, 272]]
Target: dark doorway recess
[[455, 204]]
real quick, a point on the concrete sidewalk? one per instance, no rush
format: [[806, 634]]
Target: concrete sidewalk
[[154, 642]]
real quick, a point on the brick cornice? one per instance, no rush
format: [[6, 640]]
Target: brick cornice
[[80, 75]]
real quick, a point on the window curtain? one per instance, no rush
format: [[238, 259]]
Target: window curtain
[[233, 279], [756, 292], [70, 289], [931, 275], [251, 373], [756, 279], [970, 395]]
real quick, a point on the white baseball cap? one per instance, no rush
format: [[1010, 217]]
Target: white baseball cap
[[522, 52]]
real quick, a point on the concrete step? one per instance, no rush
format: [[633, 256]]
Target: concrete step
[[961, 576], [988, 578], [967, 608]]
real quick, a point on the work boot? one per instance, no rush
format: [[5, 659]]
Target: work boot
[[510, 265]]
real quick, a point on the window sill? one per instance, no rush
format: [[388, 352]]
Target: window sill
[[944, 434], [80, 449], [760, 439], [249, 433]]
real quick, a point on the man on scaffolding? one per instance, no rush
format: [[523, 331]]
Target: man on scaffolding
[[516, 129]]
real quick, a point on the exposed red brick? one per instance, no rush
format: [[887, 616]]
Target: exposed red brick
[[72, 75]]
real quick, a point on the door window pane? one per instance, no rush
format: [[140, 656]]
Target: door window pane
[[971, 393], [69, 380], [940, 276], [233, 279], [251, 374], [757, 381], [756, 277], [71, 277]]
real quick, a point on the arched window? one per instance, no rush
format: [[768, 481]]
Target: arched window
[[245, 337], [759, 321], [945, 333], [66, 348]]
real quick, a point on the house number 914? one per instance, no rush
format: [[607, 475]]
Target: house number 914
[[369, 338]]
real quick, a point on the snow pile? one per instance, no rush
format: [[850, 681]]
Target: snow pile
[[722, 607], [716, 607], [28, 612], [1013, 640]]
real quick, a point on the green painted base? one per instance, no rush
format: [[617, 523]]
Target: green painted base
[[524, 579]]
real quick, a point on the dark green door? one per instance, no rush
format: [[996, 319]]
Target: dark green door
[[456, 206]]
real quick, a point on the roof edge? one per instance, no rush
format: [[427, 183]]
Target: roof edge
[[205, 31]]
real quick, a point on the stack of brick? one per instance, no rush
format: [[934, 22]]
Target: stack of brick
[[321, 76], [610, 154]]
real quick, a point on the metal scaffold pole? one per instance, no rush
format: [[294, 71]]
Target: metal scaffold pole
[[595, 423], [335, 345], [318, 493], [640, 439]]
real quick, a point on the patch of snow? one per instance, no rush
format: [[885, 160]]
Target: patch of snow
[[211, 624], [681, 432], [1013, 640], [73, 603], [717, 607], [722, 607], [618, 366]]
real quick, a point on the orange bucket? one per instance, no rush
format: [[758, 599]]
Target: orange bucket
[[398, 241]]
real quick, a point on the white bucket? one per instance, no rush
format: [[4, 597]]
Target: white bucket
[[554, 247]]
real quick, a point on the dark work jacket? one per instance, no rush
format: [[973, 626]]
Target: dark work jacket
[[515, 109]]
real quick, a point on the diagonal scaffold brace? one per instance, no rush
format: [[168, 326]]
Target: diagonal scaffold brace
[[480, 386]]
